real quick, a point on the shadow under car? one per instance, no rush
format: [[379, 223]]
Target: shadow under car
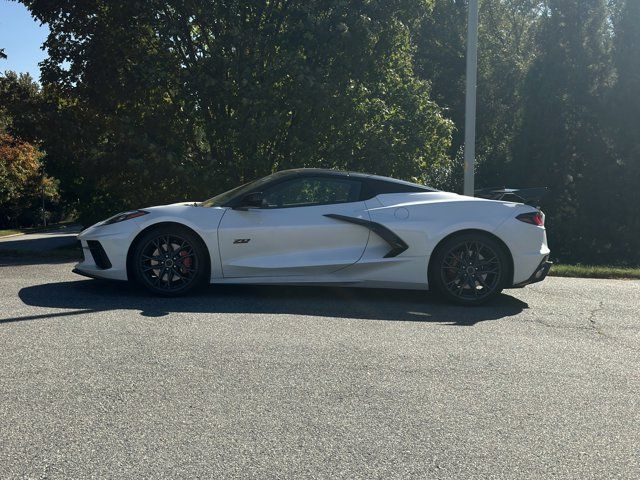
[[86, 296]]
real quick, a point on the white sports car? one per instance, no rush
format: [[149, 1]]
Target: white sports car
[[312, 226]]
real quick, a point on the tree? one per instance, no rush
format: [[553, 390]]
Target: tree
[[508, 31], [203, 95], [21, 106], [507, 48], [22, 181], [23, 177], [158, 101], [624, 118], [561, 142], [440, 59]]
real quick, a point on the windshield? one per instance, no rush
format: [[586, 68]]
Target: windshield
[[224, 198]]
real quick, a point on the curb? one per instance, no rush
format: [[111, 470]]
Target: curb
[[12, 235]]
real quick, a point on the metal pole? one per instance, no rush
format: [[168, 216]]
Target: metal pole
[[470, 107], [44, 217]]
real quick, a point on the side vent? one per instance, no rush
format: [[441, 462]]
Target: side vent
[[395, 242], [98, 254]]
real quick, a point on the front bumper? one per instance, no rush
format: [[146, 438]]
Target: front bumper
[[97, 263], [538, 275], [87, 274], [105, 250]]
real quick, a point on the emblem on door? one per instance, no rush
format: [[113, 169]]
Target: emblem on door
[[241, 240]]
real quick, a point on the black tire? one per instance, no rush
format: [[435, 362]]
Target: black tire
[[469, 269], [170, 261]]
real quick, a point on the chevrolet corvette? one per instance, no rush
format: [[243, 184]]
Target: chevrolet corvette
[[327, 227]]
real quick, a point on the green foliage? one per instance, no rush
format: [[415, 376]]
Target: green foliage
[[558, 106], [21, 103], [159, 101], [170, 100], [598, 271], [440, 59], [22, 182], [23, 179], [507, 48], [623, 122], [561, 142]]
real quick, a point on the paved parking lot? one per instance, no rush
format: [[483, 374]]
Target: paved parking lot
[[103, 380]]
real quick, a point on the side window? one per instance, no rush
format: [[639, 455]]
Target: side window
[[303, 192]]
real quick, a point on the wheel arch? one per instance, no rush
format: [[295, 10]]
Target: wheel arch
[[485, 233], [154, 226]]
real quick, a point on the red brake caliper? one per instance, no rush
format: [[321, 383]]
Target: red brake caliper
[[186, 262]]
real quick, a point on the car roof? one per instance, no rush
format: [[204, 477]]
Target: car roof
[[343, 173]]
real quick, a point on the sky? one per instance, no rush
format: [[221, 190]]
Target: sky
[[21, 37]]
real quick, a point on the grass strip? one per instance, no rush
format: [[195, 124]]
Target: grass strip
[[594, 271]]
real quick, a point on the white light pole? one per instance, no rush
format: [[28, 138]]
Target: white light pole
[[470, 107]]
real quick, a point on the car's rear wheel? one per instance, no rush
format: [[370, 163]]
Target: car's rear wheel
[[469, 269], [170, 261]]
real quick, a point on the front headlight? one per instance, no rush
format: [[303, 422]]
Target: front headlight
[[121, 217]]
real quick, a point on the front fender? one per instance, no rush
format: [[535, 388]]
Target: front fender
[[203, 221]]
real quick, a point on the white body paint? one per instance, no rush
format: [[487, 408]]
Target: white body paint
[[300, 245]]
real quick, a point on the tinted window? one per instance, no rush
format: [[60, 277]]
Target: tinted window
[[312, 191], [239, 192]]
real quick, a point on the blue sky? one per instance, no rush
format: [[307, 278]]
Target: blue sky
[[21, 37]]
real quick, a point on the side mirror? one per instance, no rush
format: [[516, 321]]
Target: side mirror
[[252, 200]]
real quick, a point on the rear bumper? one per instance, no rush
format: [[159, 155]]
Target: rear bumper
[[539, 274]]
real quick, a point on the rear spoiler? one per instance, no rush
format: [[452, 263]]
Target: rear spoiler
[[530, 196]]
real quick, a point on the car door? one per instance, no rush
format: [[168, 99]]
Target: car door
[[291, 234]]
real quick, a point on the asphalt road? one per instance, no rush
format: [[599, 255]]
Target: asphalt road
[[102, 380]]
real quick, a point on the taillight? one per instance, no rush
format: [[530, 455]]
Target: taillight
[[534, 218]]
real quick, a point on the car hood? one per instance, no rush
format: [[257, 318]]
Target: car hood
[[189, 213]]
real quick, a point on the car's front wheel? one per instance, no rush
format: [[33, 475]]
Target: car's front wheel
[[469, 269], [170, 261]]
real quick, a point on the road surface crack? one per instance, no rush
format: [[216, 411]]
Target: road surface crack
[[593, 315], [592, 324]]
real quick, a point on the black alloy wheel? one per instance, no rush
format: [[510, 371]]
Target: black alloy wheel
[[170, 261], [469, 269]]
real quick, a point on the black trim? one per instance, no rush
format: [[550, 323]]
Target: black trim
[[84, 274], [79, 245], [538, 275], [397, 244], [99, 255], [529, 196], [78, 272], [91, 275]]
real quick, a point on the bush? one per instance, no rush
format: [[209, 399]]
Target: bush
[[22, 183]]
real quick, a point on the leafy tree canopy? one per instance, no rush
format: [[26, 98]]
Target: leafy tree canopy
[[172, 99], [148, 102]]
